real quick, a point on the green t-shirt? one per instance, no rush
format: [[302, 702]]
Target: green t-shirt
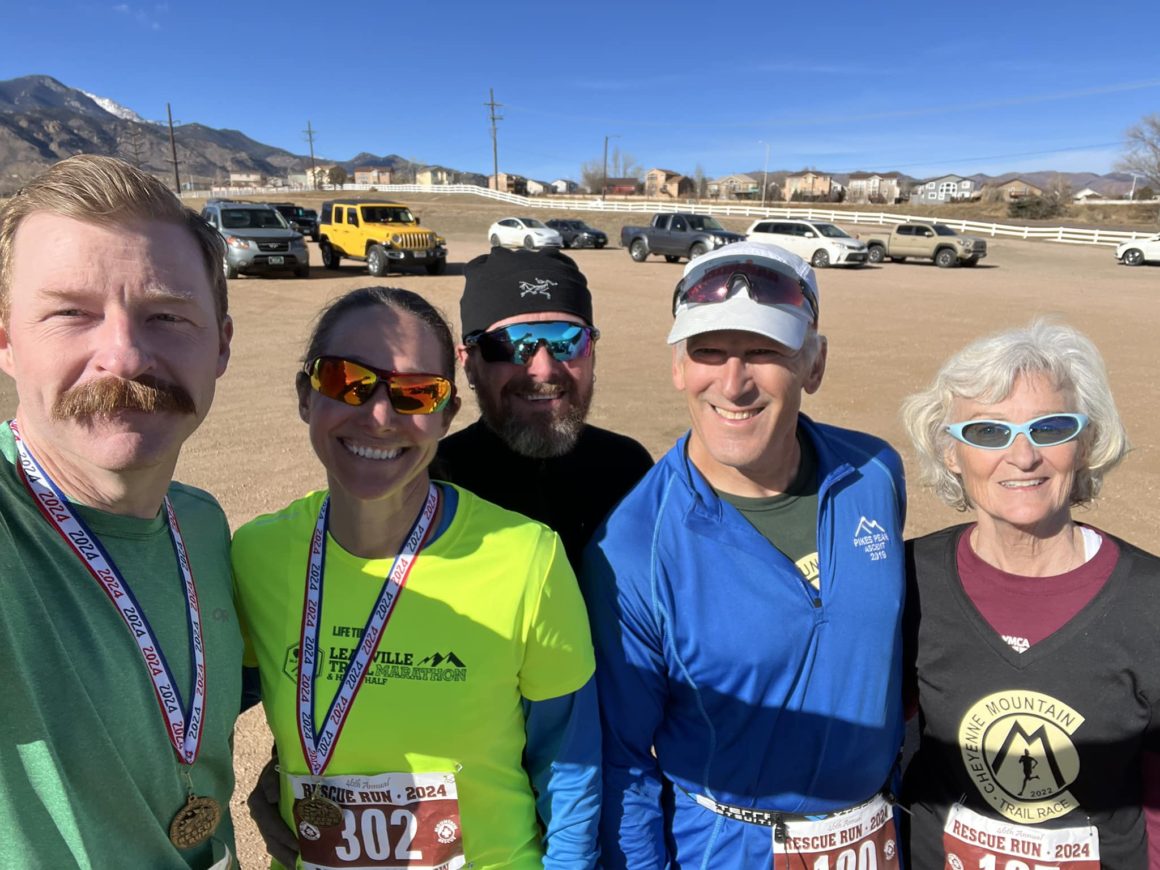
[[88, 777], [491, 614], [789, 520]]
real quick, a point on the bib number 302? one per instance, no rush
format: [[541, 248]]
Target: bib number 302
[[366, 832], [394, 821]]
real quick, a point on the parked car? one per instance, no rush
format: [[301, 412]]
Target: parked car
[[1139, 251], [819, 243], [379, 233], [258, 239], [305, 220], [926, 240], [517, 232], [675, 236], [577, 234]]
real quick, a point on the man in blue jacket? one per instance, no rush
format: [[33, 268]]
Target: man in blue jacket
[[745, 601]]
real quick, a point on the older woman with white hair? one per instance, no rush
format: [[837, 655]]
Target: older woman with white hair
[[1034, 639]]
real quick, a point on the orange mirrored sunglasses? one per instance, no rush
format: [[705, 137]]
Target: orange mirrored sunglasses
[[354, 383]]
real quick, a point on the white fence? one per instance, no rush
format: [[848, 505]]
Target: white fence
[[1065, 235]]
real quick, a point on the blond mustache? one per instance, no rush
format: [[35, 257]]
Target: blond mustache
[[107, 396]]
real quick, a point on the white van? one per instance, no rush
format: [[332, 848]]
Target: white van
[[819, 243]]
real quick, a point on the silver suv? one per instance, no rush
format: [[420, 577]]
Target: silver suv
[[258, 239]]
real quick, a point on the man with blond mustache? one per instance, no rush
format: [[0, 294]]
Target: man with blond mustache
[[120, 654], [745, 601]]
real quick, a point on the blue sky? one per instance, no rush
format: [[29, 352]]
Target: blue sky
[[970, 87]]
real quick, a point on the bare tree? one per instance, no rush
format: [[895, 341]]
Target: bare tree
[[700, 182], [592, 175], [621, 164], [1142, 150], [1058, 191], [336, 175]]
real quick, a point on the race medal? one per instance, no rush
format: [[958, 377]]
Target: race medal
[[319, 811], [862, 837], [195, 822], [389, 821], [318, 742], [972, 840]]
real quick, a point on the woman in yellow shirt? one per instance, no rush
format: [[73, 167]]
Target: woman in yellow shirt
[[424, 655]]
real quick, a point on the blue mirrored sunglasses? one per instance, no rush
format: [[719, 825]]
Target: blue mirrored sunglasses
[[518, 342], [1046, 431]]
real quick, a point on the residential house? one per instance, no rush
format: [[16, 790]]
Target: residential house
[[945, 188], [808, 186], [884, 188], [298, 180], [563, 185], [1016, 188], [434, 175], [508, 183], [666, 183], [246, 179], [1087, 193], [538, 188], [372, 175], [621, 186], [739, 186]]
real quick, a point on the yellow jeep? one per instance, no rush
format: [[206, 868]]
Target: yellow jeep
[[379, 233]]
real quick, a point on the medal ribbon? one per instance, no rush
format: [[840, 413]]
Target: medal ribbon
[[183, 724], [318, 747]]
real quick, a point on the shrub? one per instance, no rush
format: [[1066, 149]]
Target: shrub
[[1035, 208]]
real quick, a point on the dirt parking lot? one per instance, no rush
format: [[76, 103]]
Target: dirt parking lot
[[889, 328]]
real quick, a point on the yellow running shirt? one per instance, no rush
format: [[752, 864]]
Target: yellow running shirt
[[491, 614]]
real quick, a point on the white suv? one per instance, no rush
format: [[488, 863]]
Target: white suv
[[1139, 251], [819, 243]]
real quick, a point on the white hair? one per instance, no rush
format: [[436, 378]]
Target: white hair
[[986, 371]]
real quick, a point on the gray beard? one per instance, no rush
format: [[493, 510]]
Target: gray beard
[[556, 438]]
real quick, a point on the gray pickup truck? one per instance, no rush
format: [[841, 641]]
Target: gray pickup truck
[[931, 241], [675, 236]]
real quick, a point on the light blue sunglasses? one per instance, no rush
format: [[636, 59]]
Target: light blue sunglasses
[[1046, 431]]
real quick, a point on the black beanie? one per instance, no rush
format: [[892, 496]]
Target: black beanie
[[506, 283]]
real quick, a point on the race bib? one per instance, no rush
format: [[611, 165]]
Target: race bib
[[862, 838], [392, 820], [974, 842]]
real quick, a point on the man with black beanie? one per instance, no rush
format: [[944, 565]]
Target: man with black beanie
[[529, 353]]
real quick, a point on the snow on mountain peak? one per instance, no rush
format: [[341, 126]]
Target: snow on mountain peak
[[114, 108]]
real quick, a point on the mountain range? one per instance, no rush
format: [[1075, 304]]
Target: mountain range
[[43, 120]]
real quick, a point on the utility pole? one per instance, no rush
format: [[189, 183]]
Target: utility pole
[[765, 174], [173, 150], [309, 131], [604, 178], [493, 105], [1132, 195]]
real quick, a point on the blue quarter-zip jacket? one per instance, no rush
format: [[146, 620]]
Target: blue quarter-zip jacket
[[752, 688]]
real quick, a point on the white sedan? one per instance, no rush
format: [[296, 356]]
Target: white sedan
[[818, 243], [1139, 251], [523, 232]]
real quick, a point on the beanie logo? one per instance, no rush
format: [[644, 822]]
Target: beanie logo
[[539, 287]]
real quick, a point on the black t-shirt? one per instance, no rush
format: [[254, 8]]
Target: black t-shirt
[[571, 494], [1051, 738]]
